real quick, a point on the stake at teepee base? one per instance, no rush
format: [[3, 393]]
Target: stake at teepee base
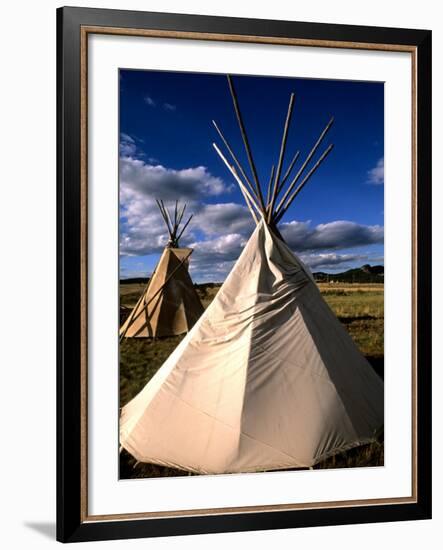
[[169, 304], [268, 379]]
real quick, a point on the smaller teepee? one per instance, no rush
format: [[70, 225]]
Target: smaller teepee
[[169, 305]]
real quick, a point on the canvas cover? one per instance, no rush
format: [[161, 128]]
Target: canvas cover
[[267, 379], [170, 305]]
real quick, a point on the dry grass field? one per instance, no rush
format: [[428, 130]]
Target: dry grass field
[[360, 307]]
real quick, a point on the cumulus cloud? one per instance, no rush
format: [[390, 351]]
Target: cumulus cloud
[[213, 259], [376, 175], [218, 238], [218, 232], [140, 240], [220, 218], [223, 248], [148, 180], [340, 234], [142, 229], [128, 147]]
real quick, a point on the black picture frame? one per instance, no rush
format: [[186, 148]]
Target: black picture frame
[[72, 525]]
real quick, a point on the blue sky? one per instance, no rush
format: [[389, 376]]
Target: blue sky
[[166, 152]]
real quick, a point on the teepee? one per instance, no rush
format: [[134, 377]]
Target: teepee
[[170, 304], [268, 378]]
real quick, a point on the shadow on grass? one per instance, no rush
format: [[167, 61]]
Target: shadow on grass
[[371, 455], [349, 320], [129, 469], [378, 364]]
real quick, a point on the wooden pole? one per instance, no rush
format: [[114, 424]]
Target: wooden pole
[[181, 216], [246, 143], [175, 215], [129, 320], [163, 213], [288, 171], [243, 188], [142, 298], [170, 222], [157, 292], [282, 154], [184, 227], [308, 158], [248, 202], [235, 159], [268, 194], [281, 212]]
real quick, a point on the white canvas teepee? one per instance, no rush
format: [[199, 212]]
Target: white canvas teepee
[[170, 304], [268, 378]]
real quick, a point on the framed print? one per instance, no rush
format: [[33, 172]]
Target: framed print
[[244, 270]]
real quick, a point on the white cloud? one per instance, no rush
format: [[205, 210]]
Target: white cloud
[[340, 234], [220, 218], [149, 101], [218, 232], [156, 181], [376, 175], [225, 248], [142, 229], [128, 148], [169, 107], [213, 259]]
